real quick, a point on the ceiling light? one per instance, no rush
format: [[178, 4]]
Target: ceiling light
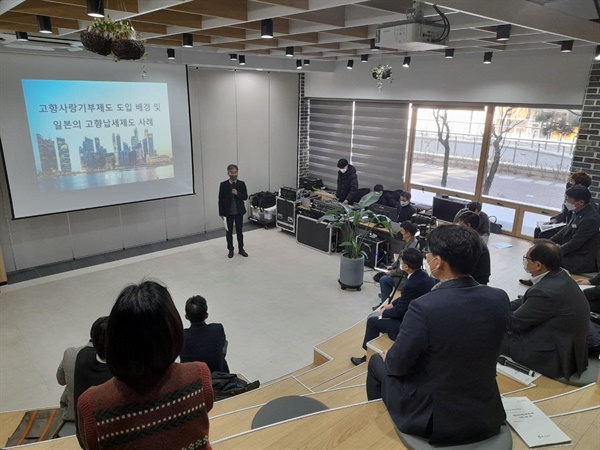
[[45, 24], [242, 60], [597, 57], [289, 51], [298, 64], [95, 8], [170, 53], [266, 28], [306, 62], [449, 53], [406, 62], [350, 64], [233, 56], [188, 40], [503, 32], [566, 46], [374, 48], [364, 58], [487, 57], [21, 36]]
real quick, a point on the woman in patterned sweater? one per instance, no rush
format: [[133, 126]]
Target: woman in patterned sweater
[[152, 402]]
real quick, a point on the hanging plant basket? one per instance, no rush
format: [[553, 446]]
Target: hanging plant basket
[[382, 72], [385, 74], [95, 41], [128, 49]]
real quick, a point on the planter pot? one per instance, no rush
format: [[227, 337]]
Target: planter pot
[[95, 42], [384, 76], [128, 49], [351, 272]]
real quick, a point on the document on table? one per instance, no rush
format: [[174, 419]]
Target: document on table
[[531, 424], [521, 377]]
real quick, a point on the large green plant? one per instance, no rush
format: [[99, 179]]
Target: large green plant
[[349, 219]]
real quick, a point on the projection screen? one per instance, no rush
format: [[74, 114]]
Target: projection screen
[[84, 133]]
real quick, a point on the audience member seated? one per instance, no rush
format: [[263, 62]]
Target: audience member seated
[[483, 265], [388, 317], [203, 341], [484, 220], [394, 272], [65, 375], [90, 365], [405, 209], [388, 198], [549, 329], [443, 362], [592, 294], [565, 215], [579, 240], [152, 402]]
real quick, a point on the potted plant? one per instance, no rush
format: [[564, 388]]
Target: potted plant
[[353, 223], [382, 72], [124, 42], [106, 36], [98, 36]]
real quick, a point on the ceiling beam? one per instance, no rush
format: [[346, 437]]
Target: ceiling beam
[[119, 5], [230, 9], [300, 4], [333, 16], [172, 18]]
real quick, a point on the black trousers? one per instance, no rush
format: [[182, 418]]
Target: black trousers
[[375, 325], [375, 375], [238, 219], [593, 296]]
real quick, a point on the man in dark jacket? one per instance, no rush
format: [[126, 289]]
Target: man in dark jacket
[[579, 240], [347, 183], [404, 208], [232, 195], [549, 329], [438, 380]]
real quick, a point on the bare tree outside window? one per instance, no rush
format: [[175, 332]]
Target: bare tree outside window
[[443, 132]]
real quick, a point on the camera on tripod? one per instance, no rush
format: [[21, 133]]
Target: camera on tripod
[[424, 223]]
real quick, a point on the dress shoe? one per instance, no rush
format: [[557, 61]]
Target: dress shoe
[[230, 255], [358, 361], [376, 307], [526, 282], [243, 253]]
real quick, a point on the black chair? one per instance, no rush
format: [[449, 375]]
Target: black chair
[[285, 408]]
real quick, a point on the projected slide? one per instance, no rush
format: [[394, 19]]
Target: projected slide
[[90, 134]]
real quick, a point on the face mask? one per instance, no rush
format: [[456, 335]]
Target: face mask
[[431, 269], [404, 203], [525, 265], [233, 177], [343, 170], [570, 206]]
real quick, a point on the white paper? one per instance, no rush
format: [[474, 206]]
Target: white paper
[[380, 269], [501, 245], [531, 424], [225, 223], [516, 375], [543, 226]]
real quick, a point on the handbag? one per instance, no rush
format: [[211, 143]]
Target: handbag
[[495, 228]]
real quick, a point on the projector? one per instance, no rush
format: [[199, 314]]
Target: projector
[[411, 36]]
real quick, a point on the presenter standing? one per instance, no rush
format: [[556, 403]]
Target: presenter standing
[[232, 195]]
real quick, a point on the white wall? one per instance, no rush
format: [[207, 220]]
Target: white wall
[[246, 118], [545, 77]]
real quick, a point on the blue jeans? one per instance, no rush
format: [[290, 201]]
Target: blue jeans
[[386, 284]]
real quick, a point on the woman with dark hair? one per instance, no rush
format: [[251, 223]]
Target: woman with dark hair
[[152, 402]]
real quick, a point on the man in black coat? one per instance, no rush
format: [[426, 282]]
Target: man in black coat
[[549, 329], [438, 380], [405, 208], [347, 183], [232, 195]]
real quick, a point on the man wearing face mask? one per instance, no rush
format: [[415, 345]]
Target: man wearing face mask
[[347, 183], [443, 361], [405, 209], [232, 195], [579, 240], [549, 329]]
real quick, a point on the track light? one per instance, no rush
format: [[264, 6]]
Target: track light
[[306, 62], [566, 46], [188, 40], [503, 32], [364, 58], [266, 28], [298, 64], [233, 56], [487, 57], [374, 47], [170, 53], [449, 53], [350, 64], [45, 24], [597, 57], [289, 51], [21, 36], [95, 8], [242, 60]]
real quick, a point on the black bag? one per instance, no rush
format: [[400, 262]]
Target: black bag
[[263, 199], [495, 227], [229, 384]]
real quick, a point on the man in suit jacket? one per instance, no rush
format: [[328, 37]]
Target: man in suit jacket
[[232, 195], [579, 240], [550, 322], [388, 317], [201, 341], [483, 265], [438, 380]]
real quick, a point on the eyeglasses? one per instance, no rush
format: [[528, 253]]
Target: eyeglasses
[[525, 257]]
